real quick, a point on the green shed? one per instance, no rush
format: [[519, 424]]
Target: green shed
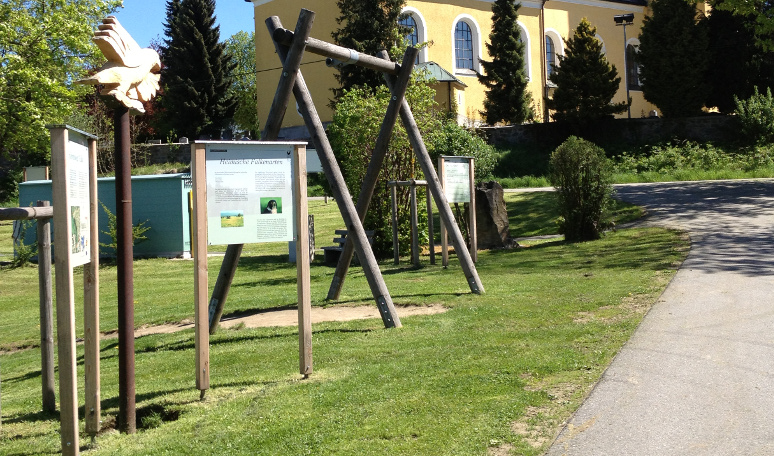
[[161, 201]]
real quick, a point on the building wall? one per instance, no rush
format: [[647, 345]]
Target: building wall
[[436, 21]]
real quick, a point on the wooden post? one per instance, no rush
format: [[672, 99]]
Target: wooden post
[[303, 285], [430, 223], [223, 284], [201, 314], [340, 193], [444, 236], [65, 297], [394, 205], [91, 306], [472, 214], [46, 311], [375, 165], [414, 225]]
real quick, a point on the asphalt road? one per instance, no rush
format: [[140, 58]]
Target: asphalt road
[[697, 377]]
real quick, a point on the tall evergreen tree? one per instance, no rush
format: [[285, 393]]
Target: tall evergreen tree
[[197, 73], [504, 76], [585, 81], [367, 26], [674, 56]]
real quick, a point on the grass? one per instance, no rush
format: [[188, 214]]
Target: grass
[[497, 372]]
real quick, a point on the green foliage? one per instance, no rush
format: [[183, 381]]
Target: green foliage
[[505, 78], [452, 139], [240, 47], [674, 57], [353, 132], [138, 230], [585, 81], [44, 47], [197, 73], [367, 27], [581, 174], [756, 114], [758, 13], [24, 252]]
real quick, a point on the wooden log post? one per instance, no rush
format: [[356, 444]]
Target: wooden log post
[[472, 214], [223, 284], [430, 223], [340, 193], [201, 314], [46, 311], [394, 207], [377, 161], [26, 213], [447, 218], [444, 235], [414, 224], [303, 285]]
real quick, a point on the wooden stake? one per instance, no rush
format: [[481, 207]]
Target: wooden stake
[[414, 225], [430, 227], [91, 306], [201, 314], [444, 236], [302, 264], [472, 215], [395, 240], [46, 311]]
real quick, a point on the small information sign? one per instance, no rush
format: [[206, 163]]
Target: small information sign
[[456, 172], [77, 160], [249, 193]]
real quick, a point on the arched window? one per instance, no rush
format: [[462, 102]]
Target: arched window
[[550, 56], [632, 68], [413, 36], [463, 46]]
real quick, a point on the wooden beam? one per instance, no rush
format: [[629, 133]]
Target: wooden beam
[[303, 285], [201, 314], [91, 306], [26, 213], [340, 191], [46, 311]]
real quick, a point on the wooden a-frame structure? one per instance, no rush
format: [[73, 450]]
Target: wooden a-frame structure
[[290, 46]]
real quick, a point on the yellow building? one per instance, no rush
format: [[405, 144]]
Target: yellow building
[[457, 31]]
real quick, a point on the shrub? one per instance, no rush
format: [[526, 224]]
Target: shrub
[[581, 174], [756, 114], [138, 231], [452, 139]]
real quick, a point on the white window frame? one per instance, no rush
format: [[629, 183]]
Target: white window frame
[[477, 50], [421, 30]]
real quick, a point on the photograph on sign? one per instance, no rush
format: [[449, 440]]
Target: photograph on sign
[[77, 156], [457, 179], [247, 185]]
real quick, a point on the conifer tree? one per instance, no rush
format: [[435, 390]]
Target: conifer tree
[[367, 26], [585, 81], [196, 73], [504, 76], [674, 57]]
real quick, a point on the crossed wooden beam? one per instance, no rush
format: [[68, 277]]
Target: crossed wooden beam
[[290, 46]]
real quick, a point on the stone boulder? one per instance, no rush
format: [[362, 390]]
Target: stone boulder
[[492, 223]]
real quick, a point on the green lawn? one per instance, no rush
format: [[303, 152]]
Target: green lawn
[[496, 371]]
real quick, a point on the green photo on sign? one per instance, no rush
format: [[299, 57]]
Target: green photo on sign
[[271, 205], [232, 219]]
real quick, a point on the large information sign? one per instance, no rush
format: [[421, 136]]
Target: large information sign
[[77, 162], [249, 193], [456, 173]]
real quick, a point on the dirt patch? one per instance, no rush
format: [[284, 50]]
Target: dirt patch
[[289, 317]]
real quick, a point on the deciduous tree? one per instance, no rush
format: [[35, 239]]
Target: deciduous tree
[[241, 49]]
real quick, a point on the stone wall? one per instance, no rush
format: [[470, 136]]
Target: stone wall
[[620, 131]]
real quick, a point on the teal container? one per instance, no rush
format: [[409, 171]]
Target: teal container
[[161, 201]]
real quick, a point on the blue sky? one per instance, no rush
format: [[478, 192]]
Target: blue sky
[[144, 19]]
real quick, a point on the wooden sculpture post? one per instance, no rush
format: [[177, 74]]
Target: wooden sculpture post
[[129, 78]]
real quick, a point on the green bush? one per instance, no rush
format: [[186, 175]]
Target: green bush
[[138, 230], [452, 139], [756, 114], [582, 176]]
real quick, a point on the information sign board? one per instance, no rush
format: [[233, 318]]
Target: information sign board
[[456, 174], [77, 162], [249, 193]]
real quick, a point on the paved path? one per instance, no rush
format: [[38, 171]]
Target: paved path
[[697, 377]]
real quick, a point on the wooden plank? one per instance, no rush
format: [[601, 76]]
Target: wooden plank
[[472, 214], [341, 194], [201, 314], [378, 155], [303, 285], [26, 213], [46, 312], [92, 405], [65, 296], [430, 223]]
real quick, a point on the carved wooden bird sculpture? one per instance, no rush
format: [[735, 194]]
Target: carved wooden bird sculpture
[[131, 73]]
